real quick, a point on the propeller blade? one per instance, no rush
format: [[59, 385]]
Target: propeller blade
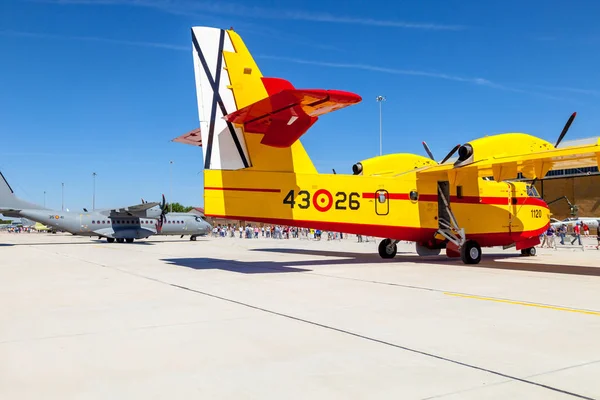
[[454, 150], [565, 129], [428, 151]]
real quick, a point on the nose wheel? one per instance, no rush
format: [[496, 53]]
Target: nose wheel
[[388, 248], [470, 252]]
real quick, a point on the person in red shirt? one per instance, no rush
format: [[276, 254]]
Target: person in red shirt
[[576, 234], [586, 230]]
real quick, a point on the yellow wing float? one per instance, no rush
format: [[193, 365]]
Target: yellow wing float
[[256, 169]]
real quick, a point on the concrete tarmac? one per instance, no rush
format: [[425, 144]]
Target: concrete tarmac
[[224, 318]]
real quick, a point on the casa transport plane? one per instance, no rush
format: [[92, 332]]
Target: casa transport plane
[[256, 168], [121, 224]]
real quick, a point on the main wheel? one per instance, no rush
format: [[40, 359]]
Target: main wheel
[[470, 252], [120, 240], [530, 252], [129, 240], [110, 240], [193, 237], [387, 248]]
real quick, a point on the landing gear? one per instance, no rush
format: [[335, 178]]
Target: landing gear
[[193, 238], [470, 252], [129, 240], [530, 252], [388, 248], [120, 240], [110, 240]]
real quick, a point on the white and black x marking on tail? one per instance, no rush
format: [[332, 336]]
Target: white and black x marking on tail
[[224, 144]]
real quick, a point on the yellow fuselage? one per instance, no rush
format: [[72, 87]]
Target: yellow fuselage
[[399, 207]]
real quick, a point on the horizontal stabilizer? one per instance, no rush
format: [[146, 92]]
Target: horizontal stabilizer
[[285, 116], [193, 138]]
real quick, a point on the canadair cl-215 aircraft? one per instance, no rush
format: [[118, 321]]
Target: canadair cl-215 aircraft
[[121, 224], [256, 169]]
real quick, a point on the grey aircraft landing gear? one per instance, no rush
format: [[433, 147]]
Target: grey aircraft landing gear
[[531, 251], [388, 248], [193, 238], [470, 252], [129, 240], [120, 240], [110, 240]]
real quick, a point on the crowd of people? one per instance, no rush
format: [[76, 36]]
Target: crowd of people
[[277, 232], [552, 234]]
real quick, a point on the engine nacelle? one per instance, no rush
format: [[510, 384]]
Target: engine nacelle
[[502, 145], [391, 164]]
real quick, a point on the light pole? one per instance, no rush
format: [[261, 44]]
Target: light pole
[[62, 207], [170, 186], [44, 199], [380, 99], [94, 192]]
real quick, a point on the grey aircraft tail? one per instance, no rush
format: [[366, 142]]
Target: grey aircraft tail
[[9, 202]]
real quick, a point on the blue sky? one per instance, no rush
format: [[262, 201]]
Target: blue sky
[[104, 85]]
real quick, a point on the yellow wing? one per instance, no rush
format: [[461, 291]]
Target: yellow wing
[[505, 156]]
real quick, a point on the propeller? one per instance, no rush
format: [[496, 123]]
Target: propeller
[[560, 137], [450, 154], [162, 218], [565, 129]]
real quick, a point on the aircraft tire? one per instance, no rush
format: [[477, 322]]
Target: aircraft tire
[[387, 251], [193, 238], [529, 252], [470, 252], [120, 240], [110, 240], [129, 240]]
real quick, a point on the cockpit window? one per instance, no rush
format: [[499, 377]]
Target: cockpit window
[[532, 191]]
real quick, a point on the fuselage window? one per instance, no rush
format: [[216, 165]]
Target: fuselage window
[[414, 196]]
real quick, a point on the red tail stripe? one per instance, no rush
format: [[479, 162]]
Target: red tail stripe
[[264, 190]]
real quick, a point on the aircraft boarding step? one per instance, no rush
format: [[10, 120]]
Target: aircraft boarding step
[[450, 229]]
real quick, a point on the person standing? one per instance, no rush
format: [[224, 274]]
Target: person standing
[[550, 235], [576, 234]]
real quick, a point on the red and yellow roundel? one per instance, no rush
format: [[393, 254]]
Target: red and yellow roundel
[[322, 200]]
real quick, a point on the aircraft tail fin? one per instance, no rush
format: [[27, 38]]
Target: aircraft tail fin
[[9, 202], [248, 121]]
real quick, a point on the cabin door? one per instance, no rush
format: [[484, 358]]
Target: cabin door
[[513, 221], [443, 212], [83, 222]]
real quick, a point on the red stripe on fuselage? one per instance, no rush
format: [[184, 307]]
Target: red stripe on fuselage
[[244, 189], [533, 201]]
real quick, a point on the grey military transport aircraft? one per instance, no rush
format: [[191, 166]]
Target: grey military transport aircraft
[[121, 224]]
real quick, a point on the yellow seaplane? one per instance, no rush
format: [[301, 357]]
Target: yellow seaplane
[[256, 168]]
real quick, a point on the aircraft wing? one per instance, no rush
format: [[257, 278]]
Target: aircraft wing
[[535, 164], [138, 210]]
